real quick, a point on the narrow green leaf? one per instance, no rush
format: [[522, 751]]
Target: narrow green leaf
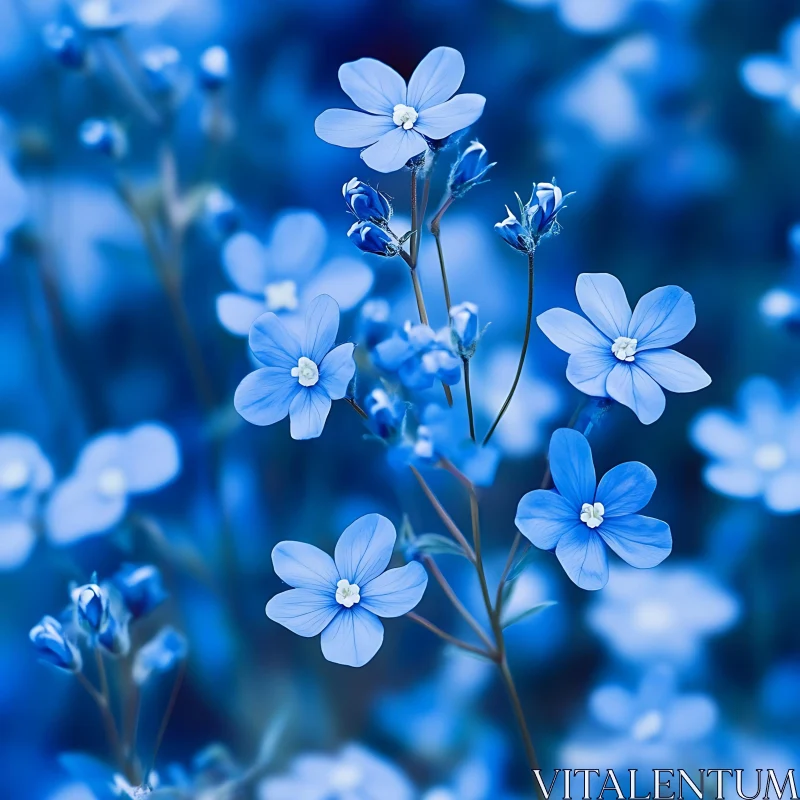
[[435, 544], [528, 613]]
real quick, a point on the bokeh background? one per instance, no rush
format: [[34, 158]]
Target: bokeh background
[[682, 149]]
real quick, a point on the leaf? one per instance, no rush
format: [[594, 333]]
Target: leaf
[[521, 566], [433, 544], [271, 738], [528, 612]]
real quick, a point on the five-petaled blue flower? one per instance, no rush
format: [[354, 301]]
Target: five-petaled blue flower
[[299, 378], [622, 354], [401, 119], [581, 516], [342, 597]]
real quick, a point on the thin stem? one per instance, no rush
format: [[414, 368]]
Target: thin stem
[[415, 232], [456, 642], [426, 190], [468, 393], [522, 354], [103, 701], [357, 408], [423, 312], [436, 222], [167, 714], [445, 285]]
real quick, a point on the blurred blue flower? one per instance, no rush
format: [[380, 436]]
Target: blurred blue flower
[[111, 468], [777, 77], [161, 654], [370, 238], [215, 68], [401, 119], [343, 599], [222, 214], [298, 379], [755, 452], [355, 773], [373, 322], [622, 354], [105, 137], [53, 646], [470, 170], [287, 273], [662, 615], [781, 307], [161, 65], [465, 328], [140, 587], [365, 203], [419, 356], [65, 44], [582, 515], [111, 16], [387, 414], [539, 218]]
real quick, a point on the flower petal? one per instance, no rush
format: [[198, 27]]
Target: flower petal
[[718, 434], [150, 457], [762, 404], [662, 318], [273, 344], [572, 467], [17, 540], [365, 548], [372, 85], [77, 509], [238, 312], [103, 450], [583, 556], [782, 492], [588, 370], [602, 299], [353, 638], [245, 261], [766, 76], [396, 591], [304, 566], [394, 149], [673, 370], [440, 121], [626, 489], [297, 243], [308, 411], [634, 388], [642, 541], [337, 370], [734, 480], [436, 78], [303, 611], [351, 128], [346, 280], [570, 332], [543, 517], [264, 397], [322, 325]]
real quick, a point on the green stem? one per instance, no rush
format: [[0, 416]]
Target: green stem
[[167, 714], [435, 227], [357, 408], [103, 701], [468, 394]]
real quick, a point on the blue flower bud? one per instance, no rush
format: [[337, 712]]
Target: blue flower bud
[[221, 213], [424, 447], [781, 307], [65, 44], [539, 218], [373, 322], [91, 603], [53, 646], [511, 230], [386, 415], [469, 170], [370, 238], [105, 137], [464, 328], [115, 639], [166, 649], [140, 588], [366, 203], [215, 68], [161, 65]]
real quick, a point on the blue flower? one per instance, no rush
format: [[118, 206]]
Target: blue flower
[[140, 587], [65, 44], [401, 120], [342, 598], [370, 238], [365, 203], [298, 378], [221, 213], [111, 16], [387, 414], [54, 647], [780, 306], [215, 68], [581, 516], [287, 273], [464, 328], [111, 469], [775, 77], [755, 452], [419, 356], [161, 654], [161, 65], [105, 137], [91, 605], [626, 355], [469, 170], [539, 218]]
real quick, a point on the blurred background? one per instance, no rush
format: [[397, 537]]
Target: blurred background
[[131, 154]]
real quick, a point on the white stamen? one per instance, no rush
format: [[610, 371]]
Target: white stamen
[[345, 778], [770, 457], [306, 372], [592, 515], [281, 296], [648, 726], [347, 594], [624, 348], [111, 482], [404, 116], [14, 475]]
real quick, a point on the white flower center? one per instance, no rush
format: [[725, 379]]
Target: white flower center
[[306, 372], [14, 475], [592, 515], [345, 777], [281, 296], [347, 594], [770, 457], [653, 616], [624, 348], [111, 482], [648, 726], [404, 116]]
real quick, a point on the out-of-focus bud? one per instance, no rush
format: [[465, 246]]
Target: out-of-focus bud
[[366, 203], [66, 45], [116, 639], [53, 646], [91, 604], [166, 649], [104, 136], [386, 415], [221, 213], [140, 588], [161, 65], [464, 328], [424, 446], [215, 68], [373, 321], [512, 232], [781, 307], [371, 238], [469, 170]]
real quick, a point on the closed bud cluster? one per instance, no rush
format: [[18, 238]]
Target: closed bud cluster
[[538, 218], [469, 170]]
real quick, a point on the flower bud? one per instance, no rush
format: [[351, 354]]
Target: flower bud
[[546, 201], [140, 588], [469, 170], [65, 44], [365, 203], [166, 649], [221, 213], [368, 237], [105, 137], [53, 646], [373, 321], [116, 639], [91, 603], [512, 232], [464, 328], [780, 307], [386, 414], [161, 65], [215, 68]]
